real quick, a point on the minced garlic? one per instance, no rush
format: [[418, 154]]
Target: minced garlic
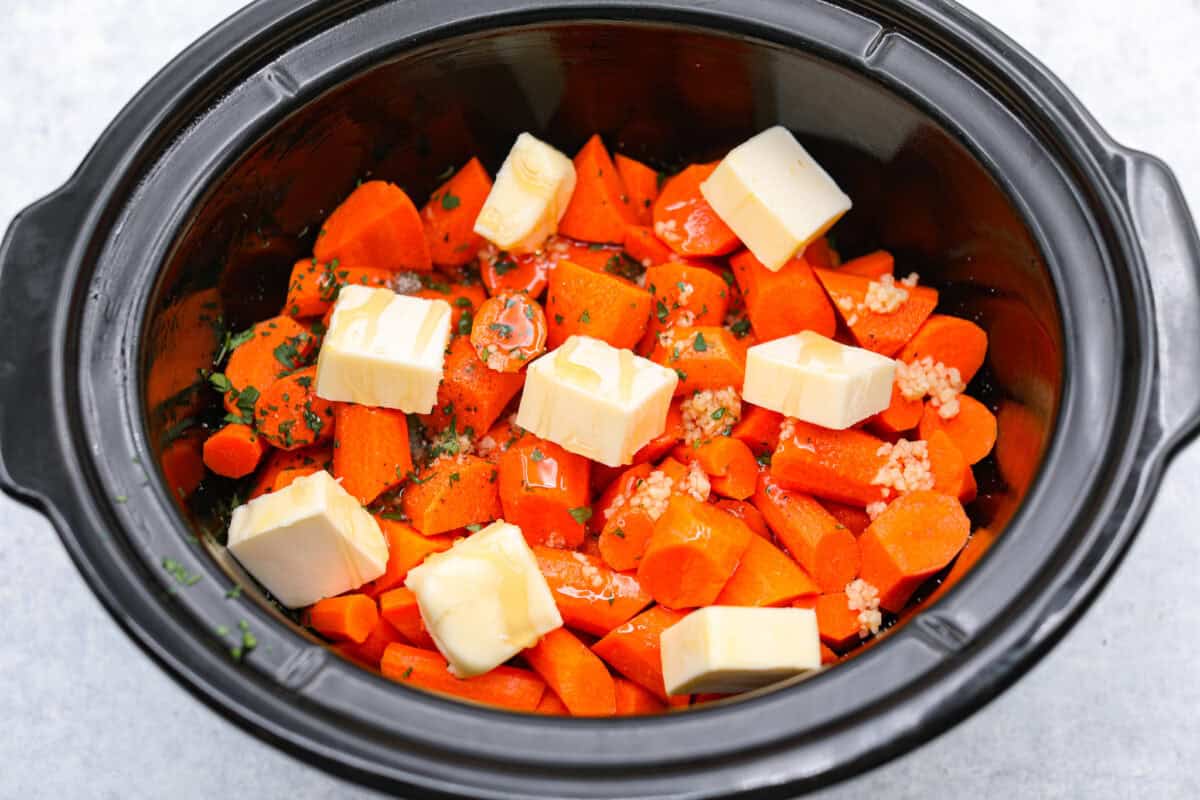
[[696, 483], [651, 495], [710, 412], [884, 296], [907, 468], [876, 508], [924, 377], [864, 598]]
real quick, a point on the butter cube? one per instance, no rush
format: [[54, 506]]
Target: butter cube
[[308, 541], [384, 349], [532, 191], [484, 600], [595, 400], [818, 380], [774, 196], [727, 649]]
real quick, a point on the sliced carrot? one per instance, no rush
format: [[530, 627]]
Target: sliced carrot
[[575, 673], [693, 552], [685, 294], [506, 687], [854, 518], [350, 617], [758, 428], [287, 477], [954, 341], [915, 537], [952, 473], [641, 187], [290, 415], [501, 436], [599, 209], [882, 333], [503, 272], [551, 706], [820, 253], [633, 649], [975, 548], [509, 331], [825, 548], [748, 514], [784, 302], [615, 495], [452, 493], [464, 299], [318, 458], [597, 304], [766, 576], [645, 248], [376, 226], [730, 465], [407, 548], [633, 700], [276, 347], [544, 490], [313, 286], [370, 652], [901, 415], [400, 609], [471, 396], [625, 537], [703, 357], [591, 597], [449, 216], [872, 265], [972, 429], [234, 451], [684, 219], [371, 451], [833, 465], [836, 622]]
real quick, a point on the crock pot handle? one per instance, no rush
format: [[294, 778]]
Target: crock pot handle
[[33, 263]]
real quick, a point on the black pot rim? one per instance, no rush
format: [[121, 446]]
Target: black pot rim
[[938, 669]]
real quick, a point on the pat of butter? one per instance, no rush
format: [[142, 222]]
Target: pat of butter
[[532, 191], [384, 349], [774, 196], [727, 649], [308, 541], [595, 400], [818, 380], [484, 600]]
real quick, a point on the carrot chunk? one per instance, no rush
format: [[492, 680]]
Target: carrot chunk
[[234, 451], [872, 265], [833, 465], [729, 464], [954, 341], [952, 473], [901, 415], [290, 415], [641, 187], [575, 673], [820, 253], [371, 451], [784, 302], [370, 652], [544, 490], [599, 209], [471, 396], [973, 429], [758, 429], [685, 295], [645, 248], [856, 519], [703, 357], [509, 331], [695, 549], [748, 514], [276, 347], [836, 622], [591, 597], [880, 332], [452, 493], [915, 537], [506, 687], [350, 617], [314, 286], [766, 576], [633, 649], [400, 609], [376, 226], [684, 219], [633, 700], [597, 304], [449, 216], [825, 548], [278, 461], [287, 477], [407, 548]]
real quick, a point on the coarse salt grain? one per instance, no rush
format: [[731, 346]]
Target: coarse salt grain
[[864, 598], [907, 468], [710, 412], [924, 377], [487, 445]]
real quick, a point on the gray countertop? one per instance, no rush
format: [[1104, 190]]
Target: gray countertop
[[1110, 713]]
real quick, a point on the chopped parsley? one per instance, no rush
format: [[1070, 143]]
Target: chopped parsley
[[720, 412], [474, 527], [661, 311], [558, 319], [462, 302], [536, 455], [764, 460], [179, 572], [700, 345], [505, 331], [585, 317], [581, 514], [740, 328], [503, 266], [450, 201], [220, 382], [465, 322]]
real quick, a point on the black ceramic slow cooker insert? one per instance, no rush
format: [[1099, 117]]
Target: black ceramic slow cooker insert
[[964, 157]]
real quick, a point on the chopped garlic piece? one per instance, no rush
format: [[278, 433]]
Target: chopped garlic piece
[[907, 468], [924, 377], [864, 598], [710, 412]]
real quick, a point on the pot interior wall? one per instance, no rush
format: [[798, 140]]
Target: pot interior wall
[[669, 95]]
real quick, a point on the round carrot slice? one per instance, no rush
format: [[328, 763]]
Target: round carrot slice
[[686, 222], [290, 415], [509, 330]]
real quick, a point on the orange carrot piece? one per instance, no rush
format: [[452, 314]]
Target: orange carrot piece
[[882, 333], [730, 465], [684, 219], [471, 396], [575, 673], [954, 341], [370, 652], [784, 302], [748, 514], [599, 209], [645, 248], [544, 490], [618, 491], [825, 548], [915, 537], [234, 451], [821, 254], [597, 304], [350, 617], [828, 657], [633, 649], [317, 458], [693, 552], [313, 286], [407, 548], [287, 477], [449, 216], [501, 436], [854, 518], [975, 548], [371, 451], [766, 576], [182, 463], [758, 429], [452, 493], [685, 294], [509, 331], [551, 706], [836, 623], [623, 541], [703, 357], [376, 226], [973, 429], [901, 415], [641, 187], [591, 597], [504, 272], [290, 415], [833, 465], [505, 687], [872, 265], [952, 473], [633, 700], [464, 299], [399, 608], [277, 346]]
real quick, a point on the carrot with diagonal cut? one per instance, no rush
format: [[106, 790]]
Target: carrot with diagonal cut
[[590, 597], [972, 429], [783, 302], [449, 216], [507, 687], [693, 552], [633, 649], [234, 451], [880, 332], [376, 226], [766, 576], [407, 548], [350, 617], [641, 187], [575, 673], [825, 548], [599, 209], [833, 465], [953, 341], [371, 451]]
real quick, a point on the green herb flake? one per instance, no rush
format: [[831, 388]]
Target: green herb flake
[[503, 266], [581, 514], [504, 331], [220, 382], [121, 499], [558, 319], [740, 328], [682, 375], [474, 527], [585, 317], [407, 673], [454, 478], [700, 345], [450, 201], [536, 455], [661, 311], [234, 593], [179, 572], [764, 460], [619, 533], [465, 322], [462, 302], [719, 413]]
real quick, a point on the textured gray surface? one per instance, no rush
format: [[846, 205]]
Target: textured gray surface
[[1109, 714]]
